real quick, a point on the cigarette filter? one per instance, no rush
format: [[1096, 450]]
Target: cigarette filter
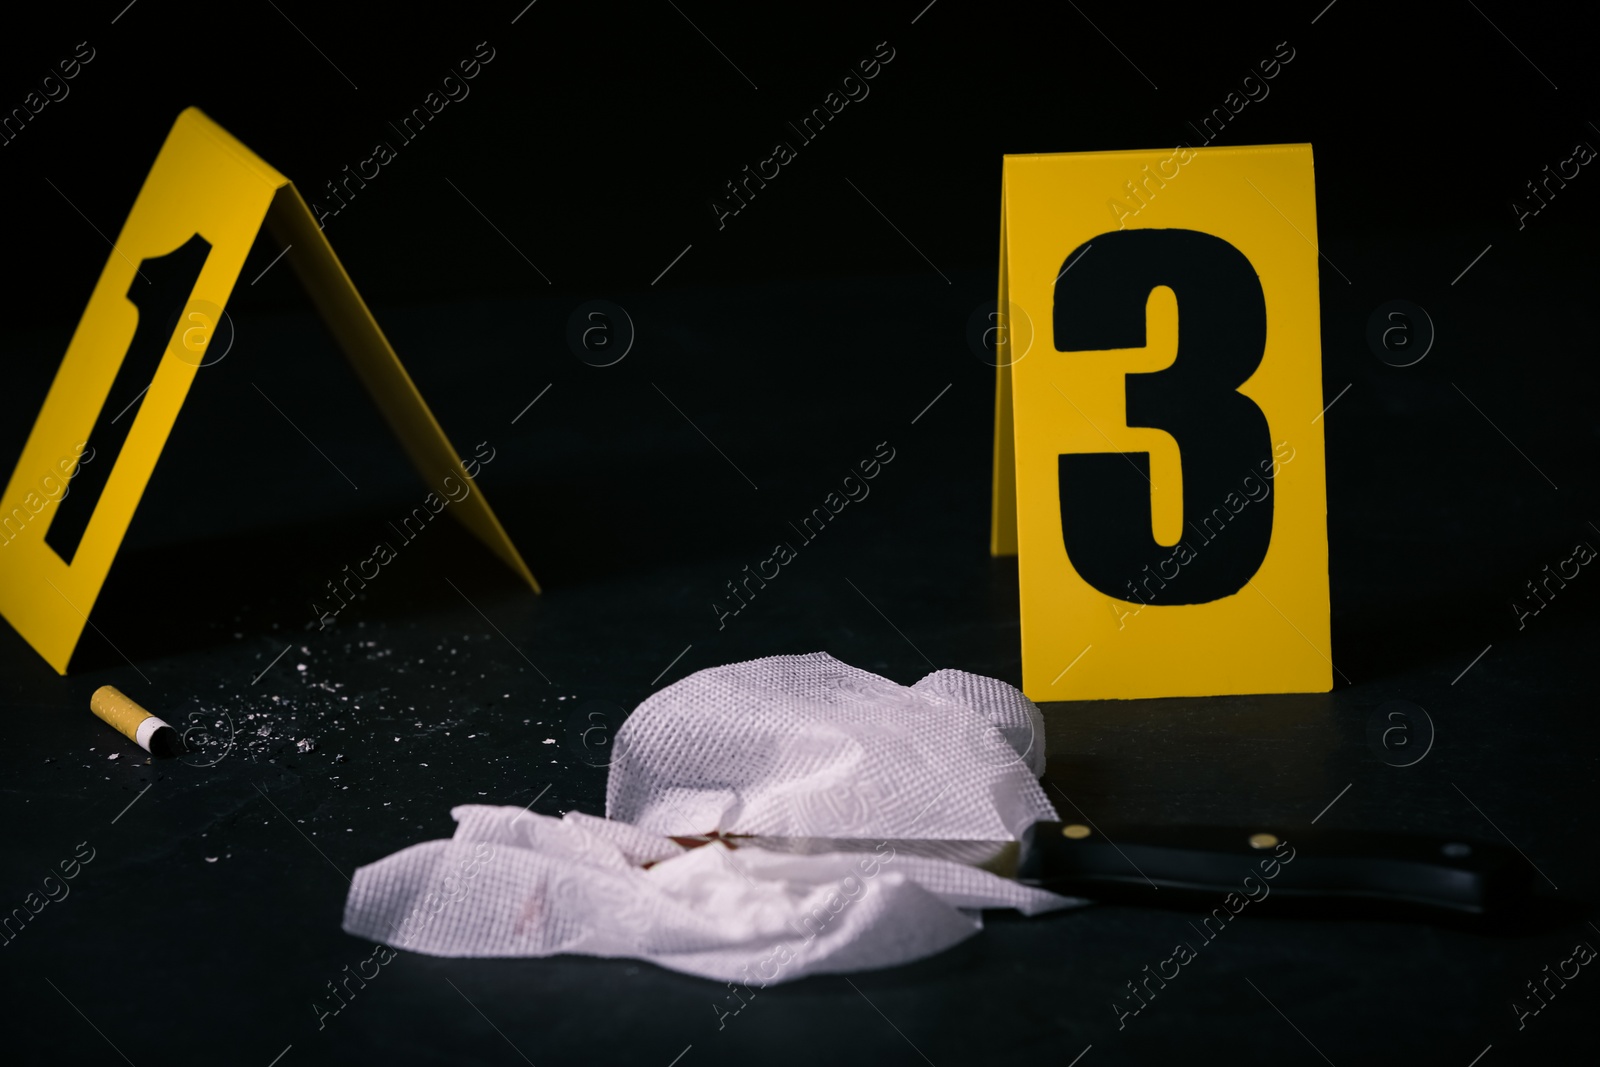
[[132, 721]]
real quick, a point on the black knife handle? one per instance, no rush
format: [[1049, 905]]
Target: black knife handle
[[1276, 870]]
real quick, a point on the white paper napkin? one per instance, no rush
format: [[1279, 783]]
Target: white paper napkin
[[790, 746]]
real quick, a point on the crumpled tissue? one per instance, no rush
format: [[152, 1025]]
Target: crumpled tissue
[[785, 746]]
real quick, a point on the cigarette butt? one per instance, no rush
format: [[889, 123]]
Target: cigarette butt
[[133, 722]]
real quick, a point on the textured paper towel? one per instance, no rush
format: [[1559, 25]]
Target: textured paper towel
[[797, 746]]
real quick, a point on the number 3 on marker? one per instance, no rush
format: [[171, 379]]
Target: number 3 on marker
[[1222, 435]]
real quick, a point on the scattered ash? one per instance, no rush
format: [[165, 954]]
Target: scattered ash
[[372, 735]]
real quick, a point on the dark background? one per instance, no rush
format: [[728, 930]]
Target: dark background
[[794, 339]]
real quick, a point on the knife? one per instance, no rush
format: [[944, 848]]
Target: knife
[[1308, 871]]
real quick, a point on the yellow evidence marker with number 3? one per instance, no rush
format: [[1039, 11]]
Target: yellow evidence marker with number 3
[[1159, 466]]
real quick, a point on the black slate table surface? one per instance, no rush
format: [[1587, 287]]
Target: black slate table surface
[[206, 926]]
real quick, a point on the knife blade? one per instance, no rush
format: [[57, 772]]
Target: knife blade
[[1309, 871]]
